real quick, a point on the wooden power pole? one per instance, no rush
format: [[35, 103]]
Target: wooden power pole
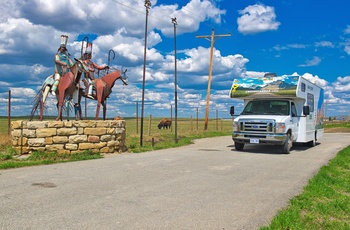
[[212, 39]]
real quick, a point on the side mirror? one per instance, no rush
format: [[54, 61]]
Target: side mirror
[[232, 110], [306, 110]]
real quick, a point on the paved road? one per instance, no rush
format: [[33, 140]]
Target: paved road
[[207, 185]]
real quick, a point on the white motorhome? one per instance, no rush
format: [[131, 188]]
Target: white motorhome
[[278, 110]]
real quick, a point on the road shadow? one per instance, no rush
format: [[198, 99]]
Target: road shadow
[[270, 149]]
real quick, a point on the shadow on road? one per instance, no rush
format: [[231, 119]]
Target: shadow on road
[[270, 149]]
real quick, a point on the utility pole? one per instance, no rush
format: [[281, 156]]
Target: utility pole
[[148, 6], [212, 39], [325, 114], [173, 20]]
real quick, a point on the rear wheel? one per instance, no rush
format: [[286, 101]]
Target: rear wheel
[[239, 146], [288, 144]]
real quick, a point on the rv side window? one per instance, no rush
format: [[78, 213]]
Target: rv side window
[[303, 87], [294, 110], [310, 101]]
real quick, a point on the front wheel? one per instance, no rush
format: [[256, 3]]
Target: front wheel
[[239, 146], [313, 142], [287, 144]]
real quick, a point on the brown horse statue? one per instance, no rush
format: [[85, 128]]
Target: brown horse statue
[[67, 86], [103, 87]]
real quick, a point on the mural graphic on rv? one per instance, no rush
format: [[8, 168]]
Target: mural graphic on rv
[[278, 86]]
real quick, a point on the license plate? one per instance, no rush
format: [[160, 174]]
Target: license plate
[[254, 141]]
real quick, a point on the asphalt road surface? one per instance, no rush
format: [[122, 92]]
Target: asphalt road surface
[[207, 185]]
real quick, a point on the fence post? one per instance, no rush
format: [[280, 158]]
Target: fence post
[[137, 118], [149, 125], [197, 118], [191, 124], [217, 127], [9, 115]]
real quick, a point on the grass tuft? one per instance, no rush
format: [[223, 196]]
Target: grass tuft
[[41, 158]]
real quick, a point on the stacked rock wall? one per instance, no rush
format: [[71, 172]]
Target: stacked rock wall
[[69, 136]]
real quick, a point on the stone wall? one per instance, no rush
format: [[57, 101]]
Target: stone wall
[[69, 136]]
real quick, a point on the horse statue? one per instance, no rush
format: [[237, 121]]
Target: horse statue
[[104, 87], [67, 86]]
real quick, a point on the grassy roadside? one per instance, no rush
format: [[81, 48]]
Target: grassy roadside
[[11, 160], [325, 201]]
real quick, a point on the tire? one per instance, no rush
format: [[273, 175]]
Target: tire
[[312, 143], [287, 144], [239, 146]]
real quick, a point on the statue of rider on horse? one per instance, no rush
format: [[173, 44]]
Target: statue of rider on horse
[[89, 76], [65, 82], [63, 63]]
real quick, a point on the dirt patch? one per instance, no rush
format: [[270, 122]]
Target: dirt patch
[[337, 130]]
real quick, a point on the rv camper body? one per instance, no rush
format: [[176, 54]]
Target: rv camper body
[[277, 111]]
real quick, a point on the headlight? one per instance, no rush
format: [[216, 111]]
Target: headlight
[[235, 126], [280, 127]]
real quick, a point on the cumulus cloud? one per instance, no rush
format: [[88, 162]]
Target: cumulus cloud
[[316, 80], [342, 84], [188, 17], [257, 18], [313, 62], [347, 49], [324, 44], [347, 30]]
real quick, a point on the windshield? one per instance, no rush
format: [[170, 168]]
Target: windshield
[[267, 107]]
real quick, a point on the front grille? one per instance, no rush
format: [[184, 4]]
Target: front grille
[[257, 126]]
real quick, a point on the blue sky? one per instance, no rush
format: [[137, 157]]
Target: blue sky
[[307, 37]]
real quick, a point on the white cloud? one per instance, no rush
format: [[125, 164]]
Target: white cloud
[[347, 49], [256, 19], [316, 80], [347, 30], [188, 17], [342, 84], [20, 35], [324, 44], [313, 62], [289, 46]]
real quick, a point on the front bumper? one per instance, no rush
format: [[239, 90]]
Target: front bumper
[[264, 138]]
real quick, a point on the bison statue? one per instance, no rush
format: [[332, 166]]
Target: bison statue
[[165, 123]]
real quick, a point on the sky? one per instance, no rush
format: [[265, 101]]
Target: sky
[[310, 38]]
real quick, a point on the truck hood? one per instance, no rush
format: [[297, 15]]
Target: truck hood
[[277, 118]]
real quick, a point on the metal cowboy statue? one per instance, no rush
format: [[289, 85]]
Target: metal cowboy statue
[[89, 76], [62, 62]]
